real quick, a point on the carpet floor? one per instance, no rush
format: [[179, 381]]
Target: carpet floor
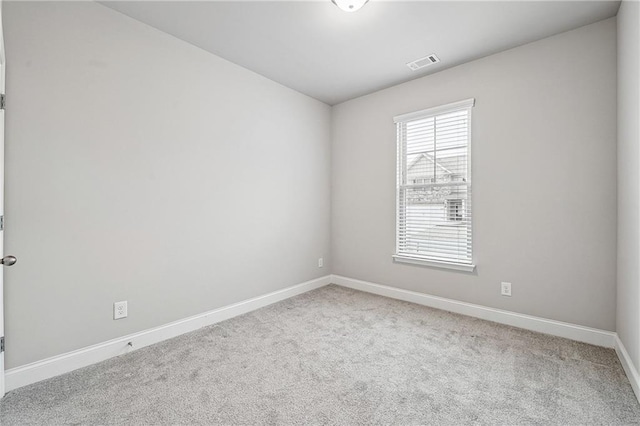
[[339, 356]]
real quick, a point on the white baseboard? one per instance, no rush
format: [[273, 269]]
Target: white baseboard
[[528, 322], [60, 364], [629, 368]]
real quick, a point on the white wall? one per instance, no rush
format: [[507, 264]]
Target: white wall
[[142, 168], [544, 179], [628, 306]]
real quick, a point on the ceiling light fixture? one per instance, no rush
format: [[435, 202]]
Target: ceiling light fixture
[[349, 5]]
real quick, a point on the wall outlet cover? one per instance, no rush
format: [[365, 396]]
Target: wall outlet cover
[[505, 289], [120, 310]]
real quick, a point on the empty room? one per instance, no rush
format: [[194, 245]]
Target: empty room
[[320, 212]]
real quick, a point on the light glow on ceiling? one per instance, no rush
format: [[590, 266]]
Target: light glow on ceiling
[[349, 5]]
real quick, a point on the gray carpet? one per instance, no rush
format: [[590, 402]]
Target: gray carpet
[[338, 356]]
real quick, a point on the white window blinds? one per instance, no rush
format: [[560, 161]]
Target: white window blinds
[[434, 185]]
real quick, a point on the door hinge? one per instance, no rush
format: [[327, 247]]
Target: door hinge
[[3, 100], [2, 223], [2, 344]]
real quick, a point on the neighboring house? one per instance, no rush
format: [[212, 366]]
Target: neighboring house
[[439, 198]]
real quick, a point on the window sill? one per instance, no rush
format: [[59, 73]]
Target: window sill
[[434, 263]]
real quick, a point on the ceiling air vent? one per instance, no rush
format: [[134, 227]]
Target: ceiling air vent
[[423, 62]]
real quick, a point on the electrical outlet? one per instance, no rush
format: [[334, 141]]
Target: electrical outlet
[[120, 310], [506, 289], [320, 262]]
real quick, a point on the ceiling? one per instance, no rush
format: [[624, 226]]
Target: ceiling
[[331, 55]]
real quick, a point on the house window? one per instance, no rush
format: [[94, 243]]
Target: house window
[[454, 210], [433, 222]]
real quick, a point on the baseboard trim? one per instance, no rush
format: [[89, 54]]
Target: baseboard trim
[[60, 364], [64, 363], [528, 322], [627, 365]]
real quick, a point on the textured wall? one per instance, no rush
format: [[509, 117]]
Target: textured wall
[[142, 168], [544, 179], [628, 309]]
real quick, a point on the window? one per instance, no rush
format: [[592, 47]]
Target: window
[[454, 210], [433, 221]]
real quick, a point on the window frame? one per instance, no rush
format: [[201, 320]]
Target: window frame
[[401, 170]]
